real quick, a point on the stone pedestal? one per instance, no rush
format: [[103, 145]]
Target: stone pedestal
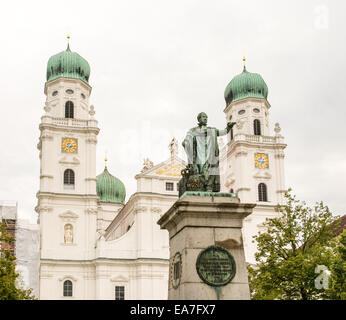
[[196, 222]]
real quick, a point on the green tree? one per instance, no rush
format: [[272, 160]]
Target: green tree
[[337, 289], [294, 244], [8, 276]]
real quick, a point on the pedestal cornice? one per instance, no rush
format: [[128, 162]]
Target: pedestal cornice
[[205, 211]]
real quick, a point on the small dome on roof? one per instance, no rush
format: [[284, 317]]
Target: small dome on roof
[[110, 188]]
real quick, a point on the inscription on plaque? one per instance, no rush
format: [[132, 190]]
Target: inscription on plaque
[[216, 266]]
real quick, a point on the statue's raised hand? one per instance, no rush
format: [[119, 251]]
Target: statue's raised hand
[[230, 126]]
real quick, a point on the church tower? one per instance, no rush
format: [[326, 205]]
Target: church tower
[[252, 162], [67, 199]]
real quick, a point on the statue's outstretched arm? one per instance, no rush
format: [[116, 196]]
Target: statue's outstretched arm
[[225, 131]]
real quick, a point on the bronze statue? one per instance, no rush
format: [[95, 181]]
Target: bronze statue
[[202, 149]]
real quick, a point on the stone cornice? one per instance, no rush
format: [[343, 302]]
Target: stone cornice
[[140, 175], [204, 211], [253, 145], [153, 195], [102, 260], [67, 80], [63, 128], [242, 101], [42, 194]]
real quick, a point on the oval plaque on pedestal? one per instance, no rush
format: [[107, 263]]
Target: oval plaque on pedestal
[[176, 270], [216, 266]]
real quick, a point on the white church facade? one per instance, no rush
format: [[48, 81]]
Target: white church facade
[[93, 245]]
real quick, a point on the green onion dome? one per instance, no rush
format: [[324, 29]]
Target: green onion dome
[[68, 64], [246, 85], [110, 188]]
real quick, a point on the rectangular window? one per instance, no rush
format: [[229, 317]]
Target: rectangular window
[[119, 293], [169, 186]]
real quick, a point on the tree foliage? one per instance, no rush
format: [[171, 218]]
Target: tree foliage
[[294, 244], [337, 289], [9, 278]]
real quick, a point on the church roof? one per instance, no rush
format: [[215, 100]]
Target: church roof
[[68, 64], [171, 168]]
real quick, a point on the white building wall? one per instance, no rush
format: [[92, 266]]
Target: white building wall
[[238, 171]]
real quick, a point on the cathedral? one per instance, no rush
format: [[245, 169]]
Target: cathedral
[[93, 245]]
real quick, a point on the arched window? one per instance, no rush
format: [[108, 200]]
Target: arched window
[[231, 191], [69, 177], [69, 109], [262, 192], [67, 288], [68, 233], [257, 127]]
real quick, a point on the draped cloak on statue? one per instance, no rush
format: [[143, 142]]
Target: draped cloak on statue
[[202, 149]]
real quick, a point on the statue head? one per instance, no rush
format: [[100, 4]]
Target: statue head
[[202, 119]]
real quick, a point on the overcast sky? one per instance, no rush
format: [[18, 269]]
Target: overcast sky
[[156, 64]]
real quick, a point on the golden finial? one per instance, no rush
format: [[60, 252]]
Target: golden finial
[[244, 60], [68, 38], [106, 159]]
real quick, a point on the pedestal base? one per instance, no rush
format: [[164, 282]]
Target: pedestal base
[[194, 223]]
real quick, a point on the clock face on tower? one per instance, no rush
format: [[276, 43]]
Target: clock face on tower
[[69, 145], [261, 160]]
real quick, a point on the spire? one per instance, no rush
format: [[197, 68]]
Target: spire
[[68, 43], [106, 159], [244, 60]]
